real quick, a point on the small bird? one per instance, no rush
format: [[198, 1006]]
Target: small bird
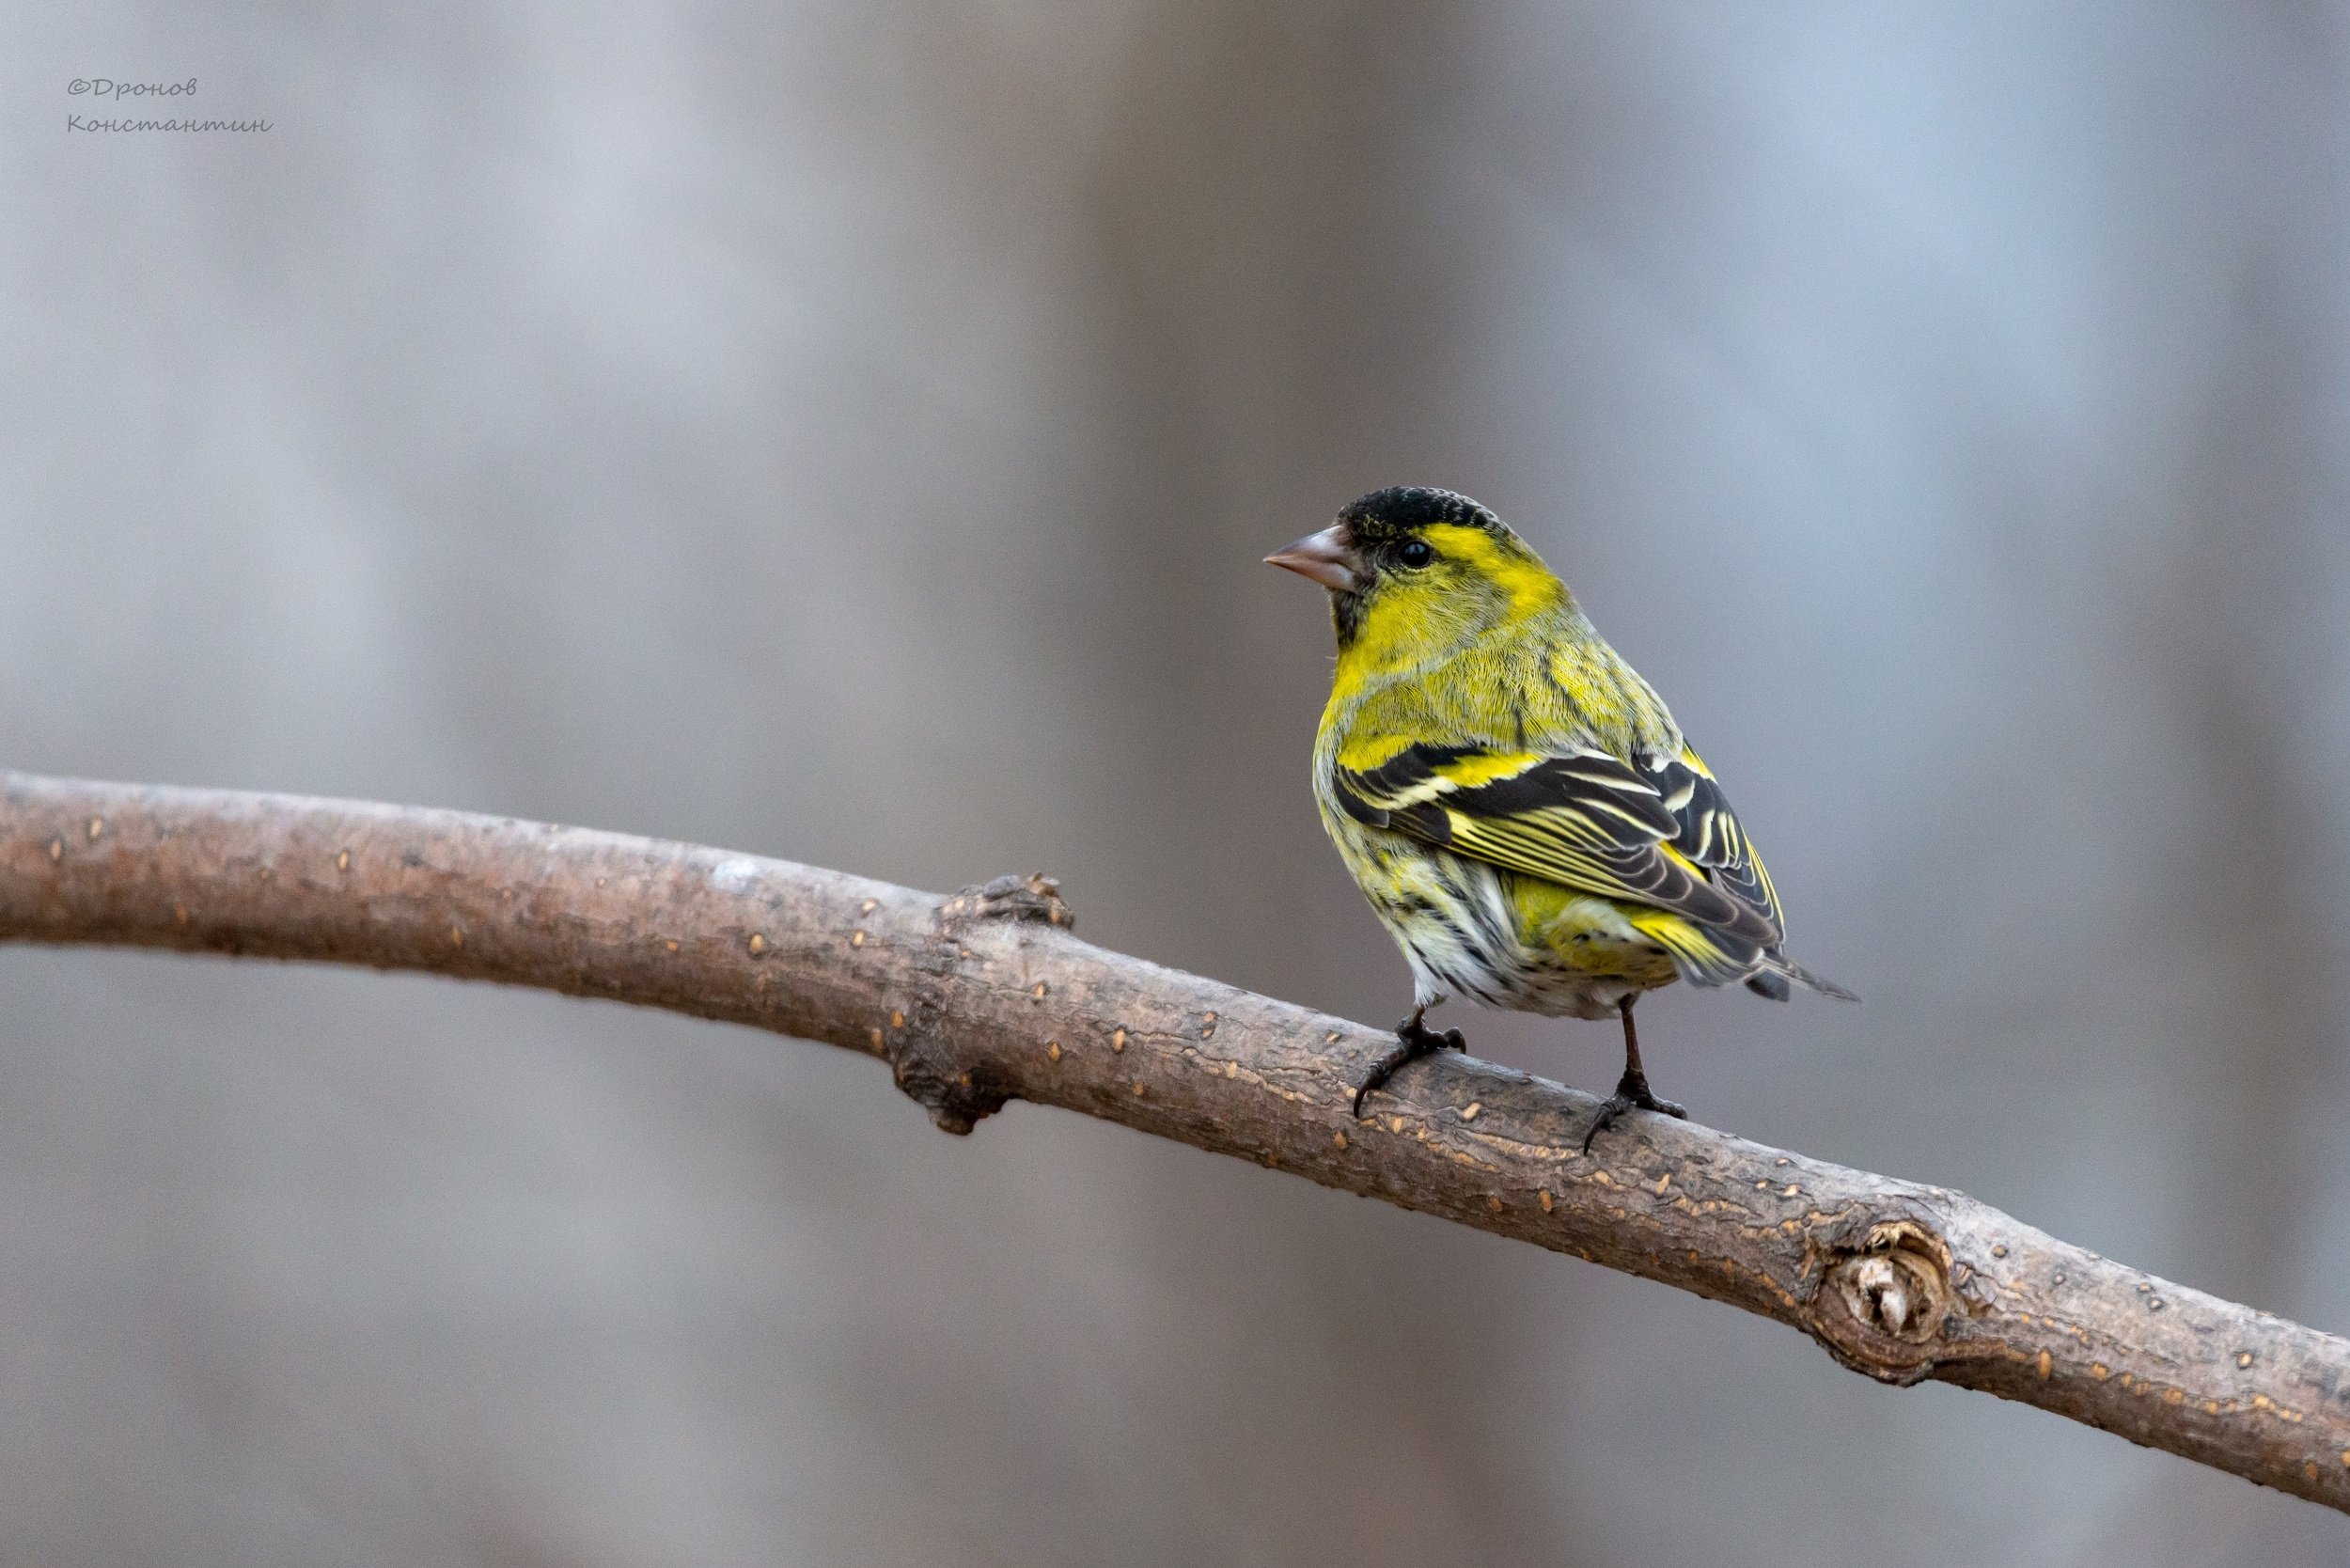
[[1516, 801]]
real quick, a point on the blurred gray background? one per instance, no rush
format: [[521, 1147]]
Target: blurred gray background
[[847, 429]]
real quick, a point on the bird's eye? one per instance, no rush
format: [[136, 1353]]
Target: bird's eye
[[1416, 553]]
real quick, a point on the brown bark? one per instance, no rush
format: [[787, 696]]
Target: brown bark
[[986, 996]]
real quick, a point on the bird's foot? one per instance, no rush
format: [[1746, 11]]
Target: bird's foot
[[1632, 1093], [1413, 1039]]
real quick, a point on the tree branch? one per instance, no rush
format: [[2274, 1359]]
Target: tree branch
[[986, 996]]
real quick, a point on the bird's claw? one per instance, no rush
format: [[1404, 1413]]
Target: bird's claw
[[1413, 1039], [1629, 1098]]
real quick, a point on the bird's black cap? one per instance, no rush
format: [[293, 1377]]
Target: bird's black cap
[[1406, 509]]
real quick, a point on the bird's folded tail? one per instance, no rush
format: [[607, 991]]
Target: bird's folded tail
[[1777, 969], [1707, 955]]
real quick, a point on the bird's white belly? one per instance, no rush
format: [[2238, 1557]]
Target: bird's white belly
[[1461, 933]]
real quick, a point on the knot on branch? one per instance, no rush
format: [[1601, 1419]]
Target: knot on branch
[[941, 1086], [1034, 896], [922, 1056], [1882, 1305]]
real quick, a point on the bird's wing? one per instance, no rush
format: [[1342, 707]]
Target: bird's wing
[[1709, 835], [1659, 836]]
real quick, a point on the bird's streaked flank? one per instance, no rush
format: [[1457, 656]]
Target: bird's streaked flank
[[1517, 804]]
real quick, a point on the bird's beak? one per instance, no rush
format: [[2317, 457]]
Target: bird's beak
[[1328, 557]]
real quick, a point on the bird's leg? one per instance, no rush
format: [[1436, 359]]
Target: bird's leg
[[1632, 1091], [1413, 1039]]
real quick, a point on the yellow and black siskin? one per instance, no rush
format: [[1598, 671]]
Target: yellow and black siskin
[[1517, 803]]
